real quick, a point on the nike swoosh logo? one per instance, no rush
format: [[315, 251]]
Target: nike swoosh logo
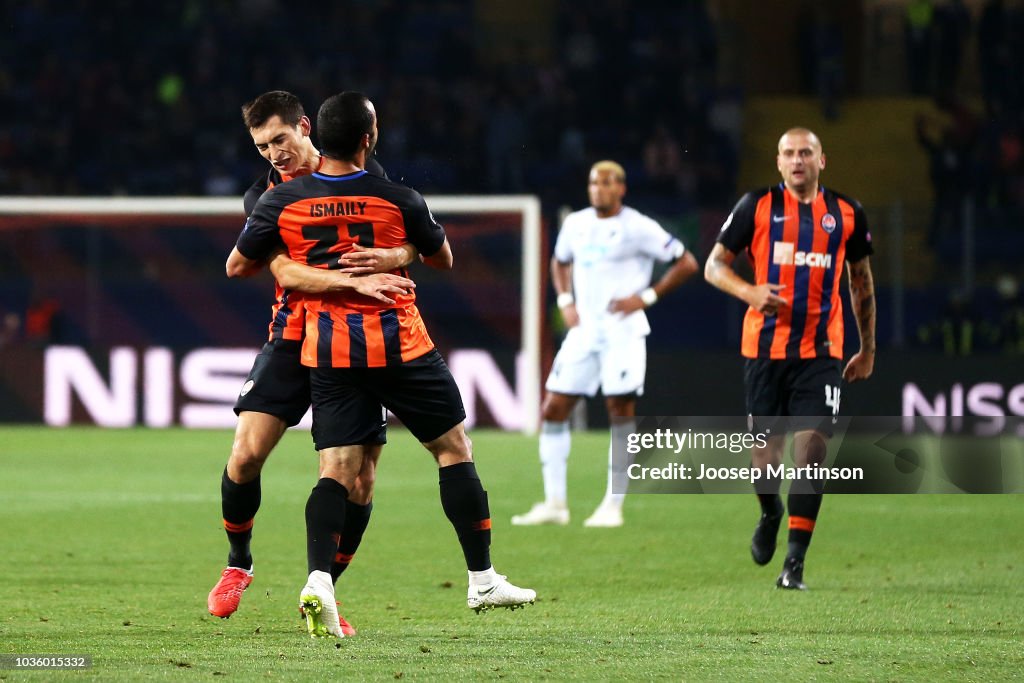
[[484, 593], [779, 219]]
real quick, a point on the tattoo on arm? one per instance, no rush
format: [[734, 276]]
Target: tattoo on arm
[[862, 295]]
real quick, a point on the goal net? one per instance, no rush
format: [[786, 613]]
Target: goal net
[[116, 311]]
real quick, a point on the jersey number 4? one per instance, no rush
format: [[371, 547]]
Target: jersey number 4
[[832, 399], [326, 237]]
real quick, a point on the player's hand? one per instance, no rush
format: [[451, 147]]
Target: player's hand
[[860, 366], [765, 299], [627, 305], [380, 285], [570, 316], [365, 260]]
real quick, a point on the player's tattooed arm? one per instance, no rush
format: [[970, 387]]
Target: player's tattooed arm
[[862, 297]]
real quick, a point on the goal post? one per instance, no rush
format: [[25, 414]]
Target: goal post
[[87, 210], [531, 292]]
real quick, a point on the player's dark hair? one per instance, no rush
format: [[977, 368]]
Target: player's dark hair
[[270, 104], [342, 122]]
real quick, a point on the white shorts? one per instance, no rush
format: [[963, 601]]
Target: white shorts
[[616, 365]]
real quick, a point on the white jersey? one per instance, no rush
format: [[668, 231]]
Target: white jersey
[[612, 258]]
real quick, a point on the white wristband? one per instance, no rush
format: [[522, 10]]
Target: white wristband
[[565, 299], [649, 297]]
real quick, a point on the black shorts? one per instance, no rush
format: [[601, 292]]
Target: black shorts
[[348, 403], [278, 383], [805, 390]]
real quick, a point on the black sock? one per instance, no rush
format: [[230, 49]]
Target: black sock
[[325, 518], [771, 504], [767, 490], [356, 519], [238, 504], [465, 504], [803, 514]]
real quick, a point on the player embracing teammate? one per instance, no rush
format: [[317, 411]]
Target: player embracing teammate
[[366, 356]]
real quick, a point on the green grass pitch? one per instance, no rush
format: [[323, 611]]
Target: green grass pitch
[[110, 541]]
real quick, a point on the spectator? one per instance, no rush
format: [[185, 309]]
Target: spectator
[[950, 146], [918, 28], [662, 160], [993, 52], [449, 128], [952, 26], [9, 329], [954, 331], [42, 321]]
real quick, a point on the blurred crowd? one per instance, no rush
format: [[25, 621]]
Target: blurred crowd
[[117, 98], [976, 152], [111, 98], [104, 98]]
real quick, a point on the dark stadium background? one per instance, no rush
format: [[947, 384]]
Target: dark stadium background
[[920, 106]]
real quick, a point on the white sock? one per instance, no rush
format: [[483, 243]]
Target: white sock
[[484, 578], [320, 577], [618, 482], [555, 442]]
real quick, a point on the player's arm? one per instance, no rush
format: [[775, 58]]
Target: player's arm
[[862, 298], [302, 278], [424, 232], [363, 260], [718, 271], [442, 259], [736, 235], [681, 270], [239, 266], [561, 279]]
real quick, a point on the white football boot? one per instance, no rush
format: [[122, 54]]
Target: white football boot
[[318, 605], [499, 593]]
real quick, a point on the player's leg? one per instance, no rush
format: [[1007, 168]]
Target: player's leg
[[255, 437], [345, 421], [766, 533], [464, 501], [622, 418], [423, 394], [274, 396], [462, 496], [357, 517], [813, 400], [623, 367], [357, 511], [555, 444], [761, 379], [804, 503], [574, 373], [325, 518]]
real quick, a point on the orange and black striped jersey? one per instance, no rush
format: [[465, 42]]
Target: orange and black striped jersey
[[287, 320], [803, 247], [317, 218]]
